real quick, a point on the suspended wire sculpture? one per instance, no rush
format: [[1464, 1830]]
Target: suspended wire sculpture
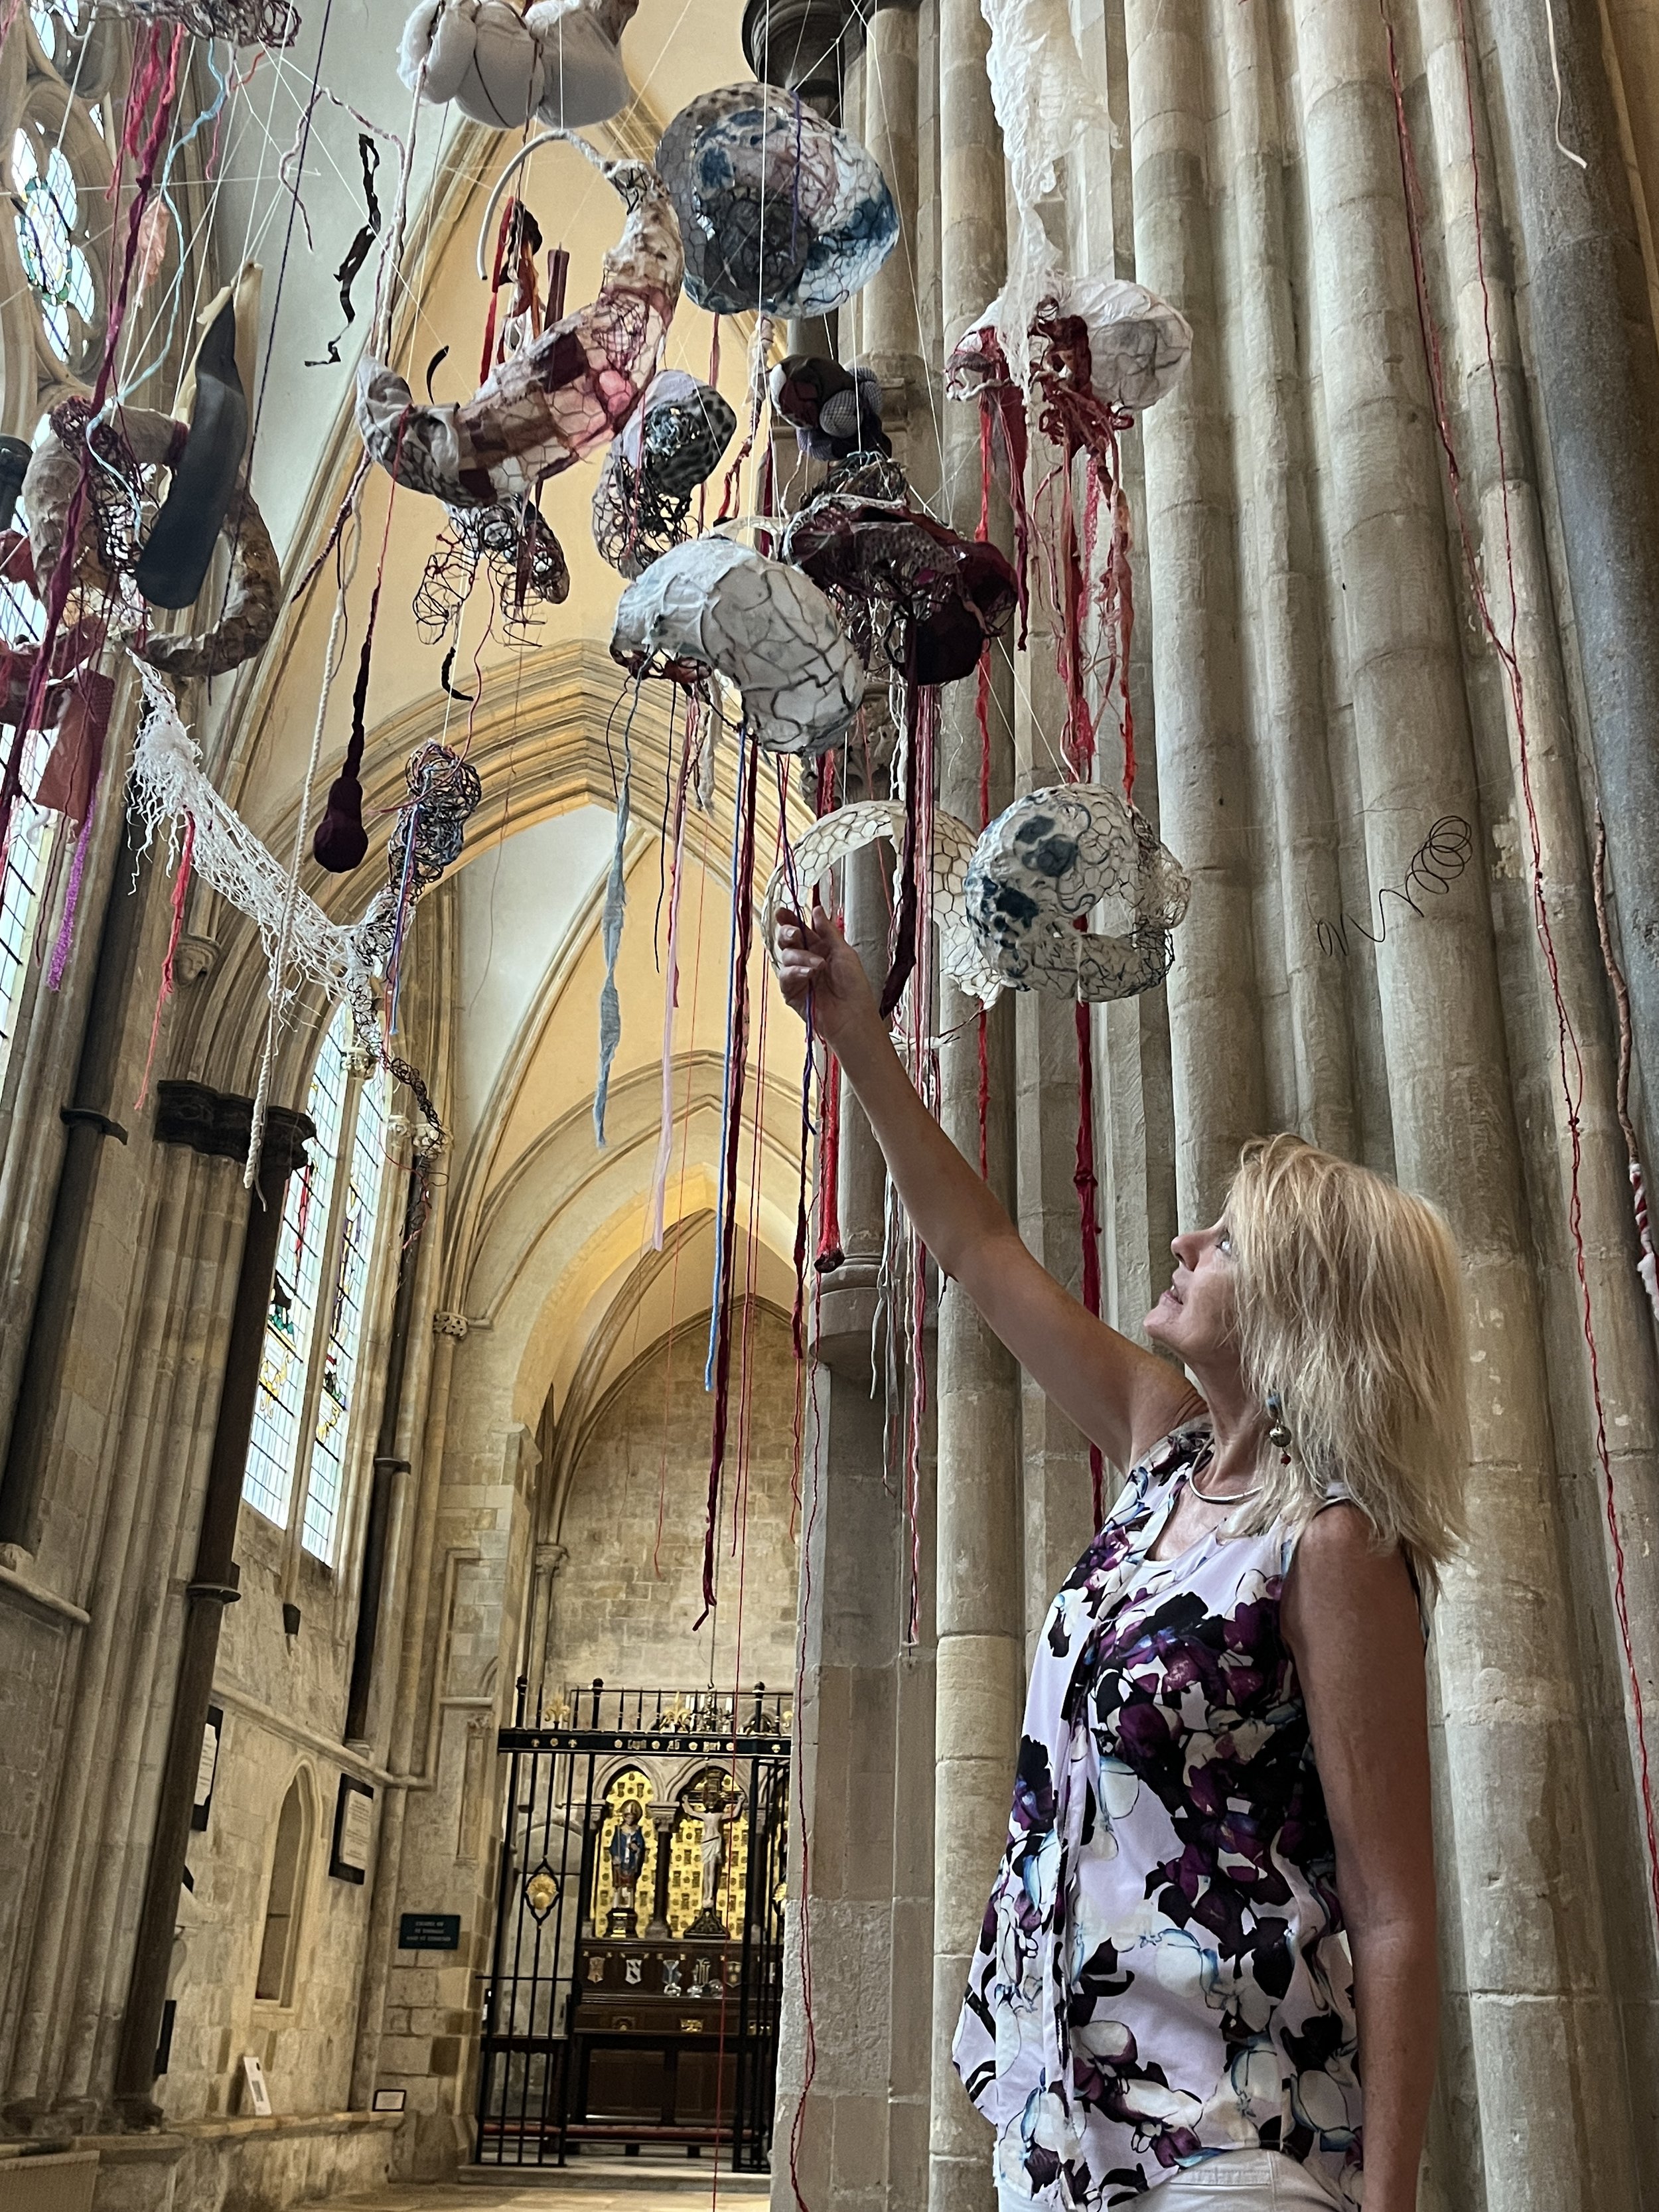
[[245, 22], [1432, 870], [642, 503], [515, 544]]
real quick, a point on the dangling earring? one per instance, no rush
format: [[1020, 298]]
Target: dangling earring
[[1278, 1428]]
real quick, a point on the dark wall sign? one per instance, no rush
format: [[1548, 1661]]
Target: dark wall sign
[[429, 1931]]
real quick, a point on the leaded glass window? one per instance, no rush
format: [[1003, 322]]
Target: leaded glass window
[[297, 1453]]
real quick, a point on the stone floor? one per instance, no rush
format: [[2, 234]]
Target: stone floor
[[594, 2185]]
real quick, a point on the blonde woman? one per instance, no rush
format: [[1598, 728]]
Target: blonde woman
[[1216, 1907]]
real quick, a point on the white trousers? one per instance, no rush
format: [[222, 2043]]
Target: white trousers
[[1236, 2181]]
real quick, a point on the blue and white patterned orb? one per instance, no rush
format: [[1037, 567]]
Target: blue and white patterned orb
[[780, 212]]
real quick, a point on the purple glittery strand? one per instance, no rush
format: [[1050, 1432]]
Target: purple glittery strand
[[794, 187], [60, 951]]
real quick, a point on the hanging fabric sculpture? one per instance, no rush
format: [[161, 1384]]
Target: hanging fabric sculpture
[[244, 22], [14, 465], [1040, 869], [943, 598], [172, 568], [642, 503], [136, 440], [761, 623], [848, 829], [834, 412], [557, 62], [558, 399], [782, 213], [516, 545]]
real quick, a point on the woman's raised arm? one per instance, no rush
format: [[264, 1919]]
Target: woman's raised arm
[[1119, 1396]]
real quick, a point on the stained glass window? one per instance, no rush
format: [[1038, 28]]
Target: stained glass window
[[314, 1328], [46, 209]]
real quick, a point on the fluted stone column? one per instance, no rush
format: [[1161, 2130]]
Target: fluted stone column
[[1533, 1946], [1215, 1030], [978, 1595]]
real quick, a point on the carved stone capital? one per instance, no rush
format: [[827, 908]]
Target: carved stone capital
[[549, 1558], [196, 958], [449, 1324]]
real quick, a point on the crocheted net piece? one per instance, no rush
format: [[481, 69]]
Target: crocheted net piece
[[782, 213], [1050, 859], [525, 559], [642, 502], [759, 622]]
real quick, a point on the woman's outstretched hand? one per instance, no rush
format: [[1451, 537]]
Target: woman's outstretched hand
[[817, 967]]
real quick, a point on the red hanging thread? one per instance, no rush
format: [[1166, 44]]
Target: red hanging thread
[[180, 887], [743, 890], [1569, 1058], [1647, 1267]]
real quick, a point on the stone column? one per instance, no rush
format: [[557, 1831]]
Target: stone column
[[1597, 373], [189, 1113], [977, 1590], [1281, 598], [1535, 1962], [1215, 1027]]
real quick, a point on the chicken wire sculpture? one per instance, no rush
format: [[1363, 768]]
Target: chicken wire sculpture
[[557, 62], [1044, 864], [760, 624], [847, 830], [931, 599], [558, 399], [244, 22], [834, 412], [107, 547], [516, 544], [782, 213], [642, 503]]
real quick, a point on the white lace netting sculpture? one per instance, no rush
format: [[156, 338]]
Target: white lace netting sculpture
[[1139, 344], [1050, 859], [169, 787], [557, 61], [847, 830], [760, 624], [1044, 102]]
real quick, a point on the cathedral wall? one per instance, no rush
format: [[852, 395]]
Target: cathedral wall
[[623, 1603]]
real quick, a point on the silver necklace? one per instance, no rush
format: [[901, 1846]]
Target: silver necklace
[[1221, 1497]]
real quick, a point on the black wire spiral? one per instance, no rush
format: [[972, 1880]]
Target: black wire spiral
[[1434, 867]]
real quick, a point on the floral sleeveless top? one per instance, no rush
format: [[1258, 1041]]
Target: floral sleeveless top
[[1163, 1974]]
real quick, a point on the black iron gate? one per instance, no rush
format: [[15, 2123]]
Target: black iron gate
[[641, 2014]]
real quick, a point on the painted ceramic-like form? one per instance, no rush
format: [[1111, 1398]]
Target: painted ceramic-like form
[[782, 213]]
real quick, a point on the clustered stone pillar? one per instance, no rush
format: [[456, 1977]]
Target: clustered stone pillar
[[976, 1546], [1534, 1945]]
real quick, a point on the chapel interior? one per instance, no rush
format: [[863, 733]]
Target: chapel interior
[[516, 1574]]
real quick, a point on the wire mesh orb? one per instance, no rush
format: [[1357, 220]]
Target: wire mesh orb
[[1046, 862], [443, 792], [834, 412], [642, 502], [780, 212]]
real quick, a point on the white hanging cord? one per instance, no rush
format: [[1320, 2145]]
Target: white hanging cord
[[1555, 71], [546, 138]]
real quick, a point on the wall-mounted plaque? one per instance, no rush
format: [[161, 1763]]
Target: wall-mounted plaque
[[429, 1931], [207, 1765], [353, 1830]]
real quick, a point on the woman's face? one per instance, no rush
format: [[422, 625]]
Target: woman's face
[[1197, 1316]]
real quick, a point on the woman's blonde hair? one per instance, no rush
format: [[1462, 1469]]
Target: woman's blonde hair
[[1351, 1316]]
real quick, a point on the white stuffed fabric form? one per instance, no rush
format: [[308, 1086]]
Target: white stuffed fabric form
[[762, 624], [557, 62], [1139, 344]]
